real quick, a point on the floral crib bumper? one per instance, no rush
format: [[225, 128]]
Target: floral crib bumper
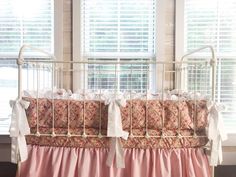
[[155, 117]]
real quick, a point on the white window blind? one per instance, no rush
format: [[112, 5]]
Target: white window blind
[[25, 22], [116, 30], [21, 22], [213, 22]]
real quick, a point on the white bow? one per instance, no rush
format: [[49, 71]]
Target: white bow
[[18, 129], [216, 132], [115, 131]]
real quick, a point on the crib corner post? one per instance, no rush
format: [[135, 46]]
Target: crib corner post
[[20, 62], [212, 171], [18, 169], [19, 81], [213, 63]]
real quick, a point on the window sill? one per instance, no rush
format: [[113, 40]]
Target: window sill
[[5, 139], [5, 148], [229, 156], [229, 150], [231, 141]]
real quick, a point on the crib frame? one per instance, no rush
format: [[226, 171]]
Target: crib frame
[[178, 76]]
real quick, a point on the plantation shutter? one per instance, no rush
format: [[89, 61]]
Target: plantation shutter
[[213, 22], [25, 22], [116, 30]]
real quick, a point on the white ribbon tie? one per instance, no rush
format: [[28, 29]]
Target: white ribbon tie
[[115, 131], [216, 132], [18, 129]]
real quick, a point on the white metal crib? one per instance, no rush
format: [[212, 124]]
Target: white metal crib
[[195, 76]]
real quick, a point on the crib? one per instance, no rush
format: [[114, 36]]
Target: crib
[[128, 128]]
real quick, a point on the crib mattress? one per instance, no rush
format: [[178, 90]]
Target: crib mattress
[[155, 116]]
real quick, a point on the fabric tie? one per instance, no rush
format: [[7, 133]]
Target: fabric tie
[[216, 132], [18, 129], [115, 131]]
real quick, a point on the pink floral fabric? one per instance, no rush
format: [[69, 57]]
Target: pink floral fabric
[[169, 117]]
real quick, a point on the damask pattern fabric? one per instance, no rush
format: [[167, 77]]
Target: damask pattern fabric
[[159, 117]]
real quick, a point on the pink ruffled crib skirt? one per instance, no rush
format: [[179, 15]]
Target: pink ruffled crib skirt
[[44, 161]]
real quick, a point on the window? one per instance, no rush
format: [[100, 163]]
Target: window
[[25, 22], [21, 22], [118, 30], [213, 22]]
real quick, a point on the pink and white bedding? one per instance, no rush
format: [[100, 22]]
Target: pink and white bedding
[[76, 156]]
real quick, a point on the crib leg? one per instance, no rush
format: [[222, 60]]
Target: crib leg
[[212, 171], [18, 170]]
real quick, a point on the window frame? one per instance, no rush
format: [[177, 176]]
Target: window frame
[[179, 52], [58, 53], [77, 47], [58, 29]]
